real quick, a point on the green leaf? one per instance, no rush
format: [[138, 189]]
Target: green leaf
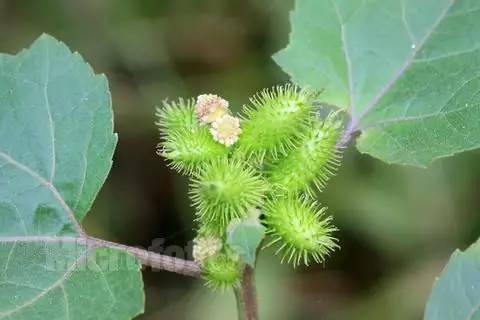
[[407, 70], [456, 294], [56, 147], [65, 279], [244, 237]]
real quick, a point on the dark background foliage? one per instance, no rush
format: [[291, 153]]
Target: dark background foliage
[[397, 225]]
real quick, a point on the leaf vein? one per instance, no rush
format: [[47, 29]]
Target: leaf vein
[[448, 55], [410, 59], [46, 184], [346, 54], [55, 285], [67, 304], [49, 113], [405, 23], [5, 269]]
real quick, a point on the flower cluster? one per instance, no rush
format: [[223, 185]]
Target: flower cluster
[[212, 109], [285, 151], [206, 247], [226, 129]]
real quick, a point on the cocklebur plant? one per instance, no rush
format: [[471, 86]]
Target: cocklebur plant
[[277, 156], [405, 84]]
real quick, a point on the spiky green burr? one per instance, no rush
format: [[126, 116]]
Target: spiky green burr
[[312, 162], [222, 271], [300, 228], [225, 189], [185, 142], [273, 121]]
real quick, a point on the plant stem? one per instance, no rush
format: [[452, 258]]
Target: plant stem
[[246, 296], [240, 304], [147, 258], [153, 259]]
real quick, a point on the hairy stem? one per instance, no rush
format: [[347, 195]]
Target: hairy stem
[[246, 296], [153, 259], [147, 258], [240, 304]]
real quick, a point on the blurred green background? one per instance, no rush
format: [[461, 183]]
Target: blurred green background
[[397, 225]]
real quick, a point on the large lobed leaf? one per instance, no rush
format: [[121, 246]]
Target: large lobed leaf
[[407, 70], [56, 147], [456, 294]]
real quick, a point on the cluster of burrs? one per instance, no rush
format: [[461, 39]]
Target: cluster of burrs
[[266, 165]]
